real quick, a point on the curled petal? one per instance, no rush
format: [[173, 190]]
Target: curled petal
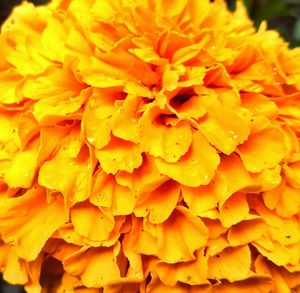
[[180, 236], [37, 220], [262, 150], [92, 222], [232, 264], [192, 272], [167, 142], [234, 210], [160, 203], [119, 155], [195, 168], [95, 267]]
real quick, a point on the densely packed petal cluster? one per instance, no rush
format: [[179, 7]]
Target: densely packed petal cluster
[[148, 146]]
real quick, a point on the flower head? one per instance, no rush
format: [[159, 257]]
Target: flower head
[[148, 146]]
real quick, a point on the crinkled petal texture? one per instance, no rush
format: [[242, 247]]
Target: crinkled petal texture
[[148, 146]]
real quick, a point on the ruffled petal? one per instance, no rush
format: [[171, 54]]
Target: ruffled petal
[[232, 264], [92, 222], [96, 267], [262, 150], [108, 193], [167, 142], [234, 210], [192, 272], [246, 232], [119, 155], [180, 236], [160, 203], [195, 168], [37, 221], [224, 128]]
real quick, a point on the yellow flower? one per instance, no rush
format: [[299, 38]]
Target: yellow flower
[[148, 146]]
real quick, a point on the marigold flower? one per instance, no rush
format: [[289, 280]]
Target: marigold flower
[[148, 146]]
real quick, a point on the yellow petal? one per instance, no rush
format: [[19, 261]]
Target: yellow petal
[[54, 109], [139, 239], [143, 180], [160, 203], [167, 142], [246, 232], [201, 199], [283, 199], [92, 222], [156, 286], [96, 267], [22, 168], [124, 119], [74, 170], [232, 264], [12, 267], [225, 128], [108, 193], [195, 168], [181, 235], [97, 131], [259, 104], [232, 167], [9, 82], [262, 150], [234, 210], [37, 220], [119, 155], [254, 284], [192, 272]]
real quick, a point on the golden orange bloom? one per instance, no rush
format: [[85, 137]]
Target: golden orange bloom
[[148, 146]]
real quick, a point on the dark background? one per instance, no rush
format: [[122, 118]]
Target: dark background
[[283, 15]]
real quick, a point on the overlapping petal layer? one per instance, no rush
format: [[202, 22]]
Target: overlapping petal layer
[[148, 146]]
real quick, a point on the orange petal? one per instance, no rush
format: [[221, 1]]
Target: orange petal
[[246, 232], [232, 264], [96, 267], [156, 286], [53, 109], [251, 285], [201, 199], [97, 131], [108, 193], [181, 235], [37, 221], [124, 119], [160, 203], [140, 239], [119, 155], [262, 150], [195, 168], [167, 142], [224, 128], [21, 170], [9, 82], [232, 167], [284, 200], [259, 104], [92, 222], [234, 210], [288, 233], [143, 180], [12, 267], [192, 272], [58, 85], [279, 254], [28, 128], [73, 165]]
